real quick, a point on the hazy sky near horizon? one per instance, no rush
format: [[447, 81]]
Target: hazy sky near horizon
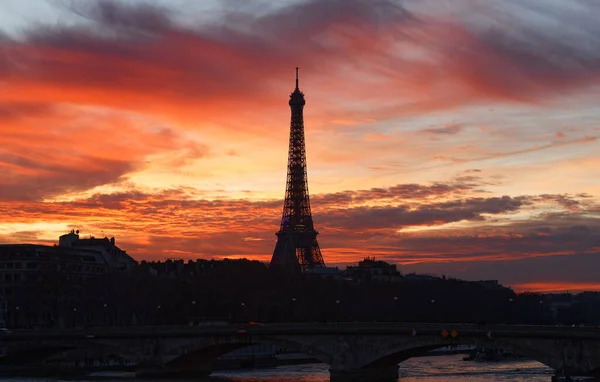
[[450, 137]]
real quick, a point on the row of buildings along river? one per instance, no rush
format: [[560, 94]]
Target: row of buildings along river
[[92, 282], [32, 267]]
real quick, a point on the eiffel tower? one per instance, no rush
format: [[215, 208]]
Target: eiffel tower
[[297, 248]]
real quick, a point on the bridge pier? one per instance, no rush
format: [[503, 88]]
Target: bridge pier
[[157, 369], [378, 374], [169, 372]]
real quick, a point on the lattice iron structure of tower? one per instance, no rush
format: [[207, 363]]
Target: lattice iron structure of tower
[[297, 247]]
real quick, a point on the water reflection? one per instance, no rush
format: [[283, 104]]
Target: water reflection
[[424, 369], [316, 372], [453, 368]]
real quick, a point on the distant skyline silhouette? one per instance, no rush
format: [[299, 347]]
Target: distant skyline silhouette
[[457, 139]]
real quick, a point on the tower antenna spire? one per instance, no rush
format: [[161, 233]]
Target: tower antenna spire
[[296, 78]]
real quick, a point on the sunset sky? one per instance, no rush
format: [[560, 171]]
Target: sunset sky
[[454, 138]]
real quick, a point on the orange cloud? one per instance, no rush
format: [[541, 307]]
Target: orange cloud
[[179, 221], [98, 120], [555, 286], [49, 150], [165, 68]]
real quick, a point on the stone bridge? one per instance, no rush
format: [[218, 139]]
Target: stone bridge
[[354, 351]]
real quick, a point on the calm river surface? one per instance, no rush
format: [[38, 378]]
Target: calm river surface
[[424, 369]]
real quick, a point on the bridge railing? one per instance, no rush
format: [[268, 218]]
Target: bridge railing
[[341, 328]]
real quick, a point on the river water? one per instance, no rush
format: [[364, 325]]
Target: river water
[[422, 369]]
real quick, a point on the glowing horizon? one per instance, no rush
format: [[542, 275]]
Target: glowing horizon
[[437, 139]]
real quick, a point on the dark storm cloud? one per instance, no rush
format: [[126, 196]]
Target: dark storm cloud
[[366, 218], [565, 201], [521, 240], [53, 179], [397, 193]]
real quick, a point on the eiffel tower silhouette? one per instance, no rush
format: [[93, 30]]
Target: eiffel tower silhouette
[[297, 248]]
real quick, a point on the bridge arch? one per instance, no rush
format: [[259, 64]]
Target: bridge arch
[[348, 353], [344, 347], [200, 352], [392, 352], [34, 355], [37, 352]]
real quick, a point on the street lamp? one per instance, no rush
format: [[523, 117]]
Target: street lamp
[[293, 306], [433, 311], [154, 318], [242, 311], [105, 305]]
